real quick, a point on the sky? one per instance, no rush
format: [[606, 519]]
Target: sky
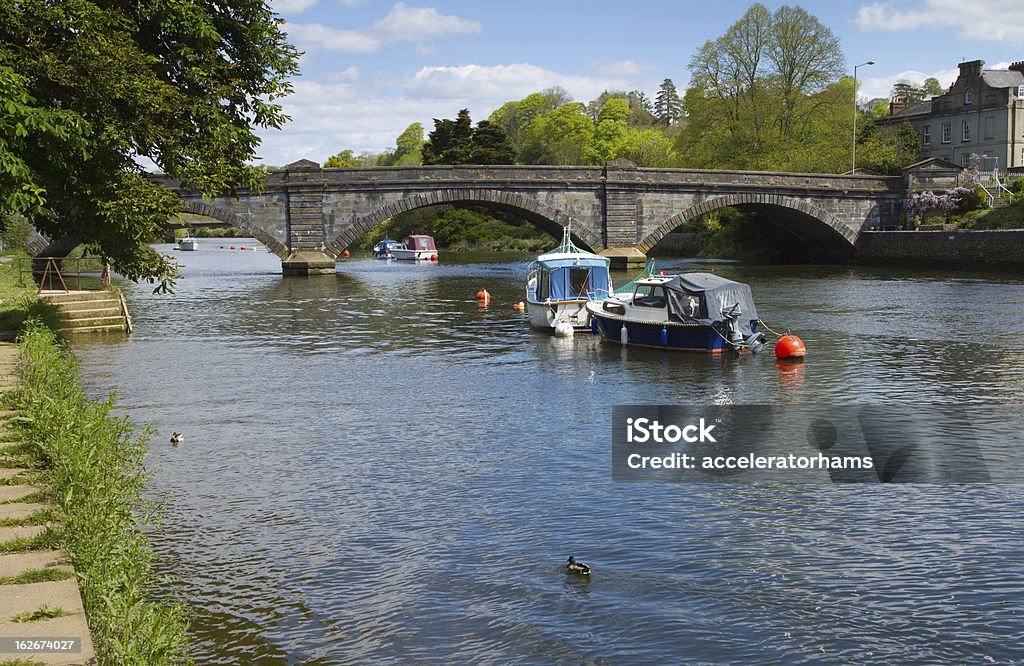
[[370, 68]]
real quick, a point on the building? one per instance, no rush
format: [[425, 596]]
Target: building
[[982, 113]]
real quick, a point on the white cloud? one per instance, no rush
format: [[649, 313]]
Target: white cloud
[[350, 3], [996, 21], [498, 84], [416, 24], [623, 68], [880, 86], [314, 35], [291, 6]]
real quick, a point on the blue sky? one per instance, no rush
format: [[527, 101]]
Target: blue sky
[[372, 67]]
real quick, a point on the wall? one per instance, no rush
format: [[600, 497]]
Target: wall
[[942, 249]]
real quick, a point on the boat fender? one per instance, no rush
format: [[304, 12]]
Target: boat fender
[[790, 346], [623, 335], [664, 336], [433, 257], [563, 329], [483, 296], [593, 325]]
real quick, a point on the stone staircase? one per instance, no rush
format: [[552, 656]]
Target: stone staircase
[[90, 311]]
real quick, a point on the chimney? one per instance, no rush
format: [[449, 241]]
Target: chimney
[[1017, 66], [972, 68], [896, 105]]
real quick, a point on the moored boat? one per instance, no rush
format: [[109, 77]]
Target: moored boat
[[188, 244], [700, 312], [561, 283], [416, 247], [384, 248]]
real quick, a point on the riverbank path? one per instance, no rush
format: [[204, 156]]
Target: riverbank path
[[35, 617]]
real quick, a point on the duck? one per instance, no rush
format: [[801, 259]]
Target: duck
[[176, 438], [577, 568]]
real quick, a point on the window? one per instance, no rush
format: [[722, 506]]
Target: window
[[579, 279], [926, 135], [989, 124], [947, 132], [649, 296], [968, 96], [967, 132], [965, 160], [1020, 92]]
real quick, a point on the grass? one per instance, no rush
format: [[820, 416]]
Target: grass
[[44, 612], [41, 517], [18, 302], [22, 662], [37, 576], [31, 498], [93, 462], [46, 539]]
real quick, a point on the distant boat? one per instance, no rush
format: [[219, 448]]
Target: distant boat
[[416, 247], [384, 249], [561, 283], [700, 312], [188, 244]]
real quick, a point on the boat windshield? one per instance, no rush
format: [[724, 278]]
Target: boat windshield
[[649, 296]]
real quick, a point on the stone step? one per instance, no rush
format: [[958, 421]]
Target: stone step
[[59, 297], [91, 322], [20, 510], [18, 563], [77, 315], [82, 330], [15, 493], [92, 304], [20, 532], [12, 472], [63, 594]]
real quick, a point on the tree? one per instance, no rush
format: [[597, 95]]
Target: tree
[[932, 87], [451, 141], [345, 158], [558, 137], [92, 86], [409, 146], [516, 117], [610, 132], [491, 145], [668, 108]]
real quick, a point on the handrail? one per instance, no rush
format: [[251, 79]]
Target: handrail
[[989, 199], [56, 269]]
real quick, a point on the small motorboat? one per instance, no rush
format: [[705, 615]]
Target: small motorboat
[[188, 244], [700, 312], [561, 283], [383, 249], [416, 247]]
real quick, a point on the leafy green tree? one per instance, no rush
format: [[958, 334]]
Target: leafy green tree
[[610, 132], [668, 107], [92, 86], [558, 137], [409, 146], [343, 159], [640, 114], [516, 117], [932, 87], [886, 149]]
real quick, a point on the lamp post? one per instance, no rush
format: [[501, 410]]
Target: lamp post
[[854, 153]]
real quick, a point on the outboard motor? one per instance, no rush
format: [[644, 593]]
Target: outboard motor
[[755, 342]]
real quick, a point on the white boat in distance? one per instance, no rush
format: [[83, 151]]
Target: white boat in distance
[[188, 244], [416, 247], [561, 283]]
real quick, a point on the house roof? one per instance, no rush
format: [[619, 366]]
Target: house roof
[[918, 108], [1003, 78], [932, 164]]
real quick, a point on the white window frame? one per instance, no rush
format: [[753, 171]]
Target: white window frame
[[1020, 91], [968, 96], [965, 137], [947, 132], [926, 135]]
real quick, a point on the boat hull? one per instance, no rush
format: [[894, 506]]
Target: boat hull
[[677, 337], [545, 316], [413, 255], [188, 244]]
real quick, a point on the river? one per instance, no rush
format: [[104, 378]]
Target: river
[[376, 469]]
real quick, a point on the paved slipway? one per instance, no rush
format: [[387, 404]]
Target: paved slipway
[[16, 599]]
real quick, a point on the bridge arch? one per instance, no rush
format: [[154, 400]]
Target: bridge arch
[[227, 217], [548, 218], [813, 224]]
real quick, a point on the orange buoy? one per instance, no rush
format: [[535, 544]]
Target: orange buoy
[[232, 247], [790, 346], [483, 296], [242, 248], [433, 257]]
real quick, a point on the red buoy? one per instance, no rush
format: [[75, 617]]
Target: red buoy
[[790, 346], [433, 257], [345, 253]]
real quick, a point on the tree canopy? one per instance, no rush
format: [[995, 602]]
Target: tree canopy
[[94, 88], [457, 142]]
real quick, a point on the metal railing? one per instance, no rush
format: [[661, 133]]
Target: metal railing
[[55, 273]]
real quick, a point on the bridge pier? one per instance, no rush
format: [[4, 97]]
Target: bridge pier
[[625, 258], [307, 262]]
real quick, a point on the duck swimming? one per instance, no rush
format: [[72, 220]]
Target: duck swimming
[[577, 568], [176, 438]]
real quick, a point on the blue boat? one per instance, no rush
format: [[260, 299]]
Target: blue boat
[[383, 249], [700, 312], [562, 282]]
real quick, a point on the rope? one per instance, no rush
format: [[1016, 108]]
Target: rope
[[759, 321]]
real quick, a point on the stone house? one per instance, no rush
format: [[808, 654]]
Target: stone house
[[982, 113]]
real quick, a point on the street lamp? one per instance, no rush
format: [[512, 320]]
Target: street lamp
[[863, 64]]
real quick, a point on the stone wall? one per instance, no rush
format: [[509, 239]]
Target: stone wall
[[959, 249]]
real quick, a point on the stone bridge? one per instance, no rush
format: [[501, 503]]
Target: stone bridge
[[309, 215]]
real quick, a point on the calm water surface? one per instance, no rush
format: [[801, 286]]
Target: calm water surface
[[377, 470]]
